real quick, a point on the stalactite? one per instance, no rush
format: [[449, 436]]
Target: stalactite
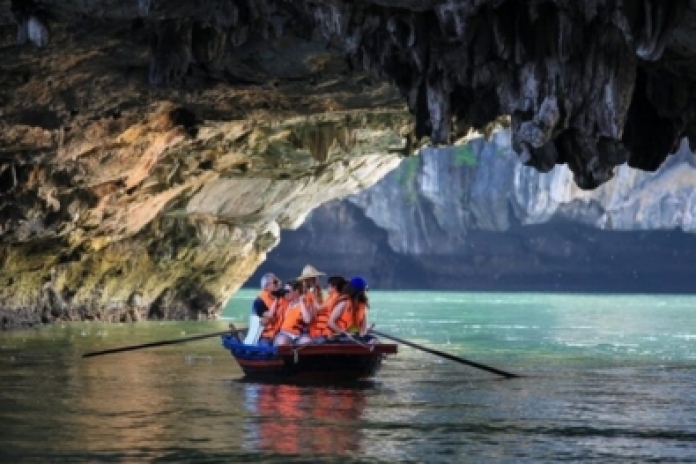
[[457, 64], [144, 7], [171, 52], [208, 44], [37, 31], [555, 66], [32, 23]]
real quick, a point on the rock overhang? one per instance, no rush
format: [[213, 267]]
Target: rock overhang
[[583, 82], [119, 119], [163, 223]]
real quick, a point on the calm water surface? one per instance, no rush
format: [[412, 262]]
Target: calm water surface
[[607, 379]]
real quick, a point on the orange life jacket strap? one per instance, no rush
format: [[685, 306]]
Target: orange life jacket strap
[[293, 322], [271, 326]]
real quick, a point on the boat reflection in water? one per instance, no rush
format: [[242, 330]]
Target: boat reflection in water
[[299, 420]]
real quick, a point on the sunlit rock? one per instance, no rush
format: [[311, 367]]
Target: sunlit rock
[[148, 221]]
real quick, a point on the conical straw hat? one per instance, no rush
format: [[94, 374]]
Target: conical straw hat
[[308, 272]]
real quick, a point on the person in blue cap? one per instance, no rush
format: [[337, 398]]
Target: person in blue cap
[[349, 316], [358, 284]]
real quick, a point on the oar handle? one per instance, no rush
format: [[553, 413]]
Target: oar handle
[[451, 357], [355, 340]]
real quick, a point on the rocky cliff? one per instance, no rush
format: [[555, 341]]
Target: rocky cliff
[[151, 150], [157, 222], [475, 217]]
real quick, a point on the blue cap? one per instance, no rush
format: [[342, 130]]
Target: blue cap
[[358, 283]]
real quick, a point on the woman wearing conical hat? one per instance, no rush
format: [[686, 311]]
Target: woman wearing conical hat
[[312, 287]]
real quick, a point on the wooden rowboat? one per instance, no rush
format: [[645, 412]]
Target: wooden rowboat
[[348, 359], [325, 361]]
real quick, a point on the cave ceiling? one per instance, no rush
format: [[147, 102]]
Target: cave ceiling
[[589, 83], [151, 151]]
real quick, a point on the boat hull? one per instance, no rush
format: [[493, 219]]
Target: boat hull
[[325, 361]]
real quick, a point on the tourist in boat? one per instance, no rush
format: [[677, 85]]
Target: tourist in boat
[[312, 287], [349, 315], [263, 307], [273, 318], [318, 328], [296, 318]]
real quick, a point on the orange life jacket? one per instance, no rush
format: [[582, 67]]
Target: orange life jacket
[[292, 319], [351, 318], [358, 317], [345, 320], [270, 329], [319, 325], [312, 298]]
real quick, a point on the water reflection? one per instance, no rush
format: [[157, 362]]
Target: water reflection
[[184, 403], [295, 419]]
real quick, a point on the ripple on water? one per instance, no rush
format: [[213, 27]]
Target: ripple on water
[[600, 385]]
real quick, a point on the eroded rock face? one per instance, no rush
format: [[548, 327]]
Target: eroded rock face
[[496, 192], [150, 149], [158, 223], [583, 82]]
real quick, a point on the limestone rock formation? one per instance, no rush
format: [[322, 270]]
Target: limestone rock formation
[[150, 152], [498, 192], [591, 84], [150, 149], [156, 222], [475, 217]]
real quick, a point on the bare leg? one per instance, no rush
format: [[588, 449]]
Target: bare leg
[[303, 340], [282, 339]]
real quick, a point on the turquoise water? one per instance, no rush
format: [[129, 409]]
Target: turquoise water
[[606, 378], [536, 331]]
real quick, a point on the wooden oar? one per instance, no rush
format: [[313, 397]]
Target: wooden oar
[[153, 344], [446, 355]]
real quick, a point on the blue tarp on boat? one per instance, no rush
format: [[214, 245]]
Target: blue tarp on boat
[[242, 351]]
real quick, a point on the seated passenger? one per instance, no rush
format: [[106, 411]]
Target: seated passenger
[[273, 318], [349, 315], [312, 287], [319, 328], [260, 308], [296, 319]]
